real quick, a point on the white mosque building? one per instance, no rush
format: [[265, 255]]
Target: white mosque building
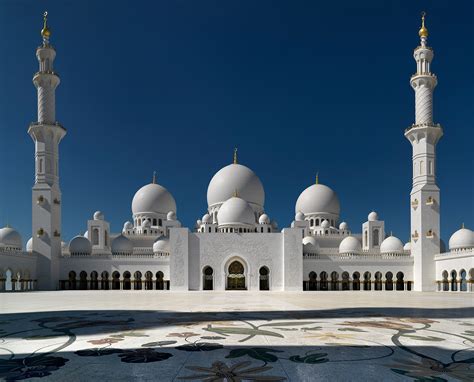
[[236, 245]]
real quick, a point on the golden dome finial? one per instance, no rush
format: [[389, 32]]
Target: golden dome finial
[[423, 32], [154, 177], [235, 155], [462, 225], [45, 32], [236, 194], [317, 177]]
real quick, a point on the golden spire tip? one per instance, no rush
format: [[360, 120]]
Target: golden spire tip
[[423, 32], [235, 155], [45, 32], [317, 177]]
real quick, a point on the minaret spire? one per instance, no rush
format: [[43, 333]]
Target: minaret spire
[[46, 194], [317, 177], [154, 177], [424, 135]]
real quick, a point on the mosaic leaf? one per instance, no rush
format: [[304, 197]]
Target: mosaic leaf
[[43, 337], [245, 331], [212, 338], [200, 346], [311, 358], [158, 343], [97, 352], [32, 367], [289, 323], [262, 354], [143, 356], [423, 338], [351, 330]]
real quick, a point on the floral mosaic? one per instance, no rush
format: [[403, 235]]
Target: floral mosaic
[[237, 346]]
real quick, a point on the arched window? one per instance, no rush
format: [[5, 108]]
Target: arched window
[[365, 239], [83, 280], [208, 278], [463, 286], [264, 278], [345, 281], [9, 280], [445, 281], [400, 281], [317, 222], [160, 283], [311, 222], [126, 283], [375, 239], [323, 284], [94, 280], [95, 236], [154, 222], [148, 280], [367, 281], [454, 283], [269, 229], [116, 280], [312, 281], [356, 281], [106, 238], [389, 281], [104, 280], [334, 281], [160, 222], [236, 276], [378, 281], [40, 166], [137, 280]]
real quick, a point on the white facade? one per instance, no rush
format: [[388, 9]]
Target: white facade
[[236, 244]]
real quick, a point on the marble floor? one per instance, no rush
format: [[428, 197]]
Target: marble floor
[[236, 336]]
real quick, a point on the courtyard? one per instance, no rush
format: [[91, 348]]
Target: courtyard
[[236, 336]]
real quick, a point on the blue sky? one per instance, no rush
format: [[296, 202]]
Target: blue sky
[[297, 86]]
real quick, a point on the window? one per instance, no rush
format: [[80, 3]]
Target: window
[[365, 238], [375, 239], [154, 222], [317, 221], [159, 222], [95, 236]]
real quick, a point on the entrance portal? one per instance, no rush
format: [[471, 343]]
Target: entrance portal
[[235, 276]]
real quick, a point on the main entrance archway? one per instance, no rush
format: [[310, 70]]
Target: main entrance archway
[[236, 276]]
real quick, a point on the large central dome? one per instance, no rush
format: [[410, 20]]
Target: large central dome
[[316, 199], [153, 198], [235, 178]]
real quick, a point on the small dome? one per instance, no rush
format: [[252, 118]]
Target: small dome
[[63, 246], [153, 198], [127, 225], [299, 217], [264, 219], [198, 223], [171, 215], [10, 238], [373, 216], [29, 245], [325, 224], [274, 224], [407, 246], [235, 211], [350, 245], [461, 239], [391, 244], [80, 245], [206, 219], [235, 177], [317, 199], [121, 244], [98, 215], [146, 223], [310, 245], [343, 226], [162, 244], [86, 234]]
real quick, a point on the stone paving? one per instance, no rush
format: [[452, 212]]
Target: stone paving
[[236, 336]]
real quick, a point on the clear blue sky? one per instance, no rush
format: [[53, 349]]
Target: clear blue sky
[[297, 86]]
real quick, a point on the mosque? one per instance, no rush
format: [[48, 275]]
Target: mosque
[[236, 245]]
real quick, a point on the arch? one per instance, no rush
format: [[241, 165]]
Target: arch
[[345, 281], [235, 274], [9, 280], [471, 280], [95, 236], [264, 277], [454, 282], [154, 222], [365, 239], [463, 280], [137, 280], [106, 238], [72, 280], [116, 280], [378, 281], [400, 282], [445, 281], [313, 284], [356, 281], [160, 283], [207, 278], [126, 282], [367, 281], [311, 222], [317, 222], [375, 238], [83, 280], [148, 280], [104, 280], [94, 283], [334, 280], [389, 281], [323, 284]]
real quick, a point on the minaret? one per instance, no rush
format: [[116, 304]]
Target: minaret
[[425, 202], [46, 195]]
